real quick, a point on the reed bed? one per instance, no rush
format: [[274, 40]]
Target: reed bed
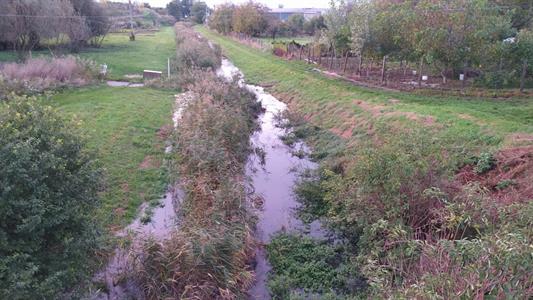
[[209, 256]]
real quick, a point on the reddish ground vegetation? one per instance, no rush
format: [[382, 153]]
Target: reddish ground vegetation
[[511, 179]]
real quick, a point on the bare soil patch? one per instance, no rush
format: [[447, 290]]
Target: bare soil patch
[[149, 162]]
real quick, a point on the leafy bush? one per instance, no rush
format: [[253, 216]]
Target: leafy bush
[[40, 74], [410, 229], [48, 196], [485, 163], [304, 265]]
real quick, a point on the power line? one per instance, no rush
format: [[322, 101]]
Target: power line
[[68, 17]]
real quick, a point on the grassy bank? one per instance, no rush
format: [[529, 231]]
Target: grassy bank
[[421, 191], [148, 51], [314, 93], [122, 125]]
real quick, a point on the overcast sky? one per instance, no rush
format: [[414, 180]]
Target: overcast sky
[[269, 3]]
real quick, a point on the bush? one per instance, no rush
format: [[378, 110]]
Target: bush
[[40, 74], [48, 196], [303, 264]]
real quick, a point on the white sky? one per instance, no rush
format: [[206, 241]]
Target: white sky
[[269, 3]]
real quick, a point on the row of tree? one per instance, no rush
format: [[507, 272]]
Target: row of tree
[[254, 19], [25, 23], [489, 39], [188, 9]]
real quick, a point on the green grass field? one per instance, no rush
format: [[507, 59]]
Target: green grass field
[[300, 40], [148, 51], [121, 125], [332, 102]]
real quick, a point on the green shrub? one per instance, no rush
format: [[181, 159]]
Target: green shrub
[[304, 266], [485, 163], [48, 196]]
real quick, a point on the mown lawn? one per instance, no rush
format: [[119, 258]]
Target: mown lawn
[[148, 51], [331, 102], [122, 125]]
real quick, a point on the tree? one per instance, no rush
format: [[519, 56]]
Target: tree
[[174, 10], [274, 26], [48, 196], [524, 51], [296, 24], [222, 18], [199, 12], [250, 18], [337, 33], [316, 24], [180, 9], [95, 17]]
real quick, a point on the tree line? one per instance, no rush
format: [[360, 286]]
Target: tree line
[[253, 19], [489, 40], [25, 24]]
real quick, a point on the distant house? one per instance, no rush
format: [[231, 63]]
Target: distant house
[[284, 13]]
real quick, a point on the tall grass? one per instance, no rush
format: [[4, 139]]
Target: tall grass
[[209, 255], [194, 51], [40, 74]]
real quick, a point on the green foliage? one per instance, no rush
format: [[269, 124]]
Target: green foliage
[[221, 19], [390, 193], [48, 189], [303, 265], [485, 163], [198, 12]]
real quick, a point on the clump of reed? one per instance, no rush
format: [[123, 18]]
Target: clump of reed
[[194, 51]]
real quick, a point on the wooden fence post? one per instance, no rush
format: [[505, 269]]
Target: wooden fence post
[[383, 66], [345, 62], [420, 72], [331, 61]]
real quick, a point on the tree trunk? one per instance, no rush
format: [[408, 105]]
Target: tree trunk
[[345, 62], [420, 72], [523, 77], [308, 54], [443, 75], [383, 68], [369, 68], [320, 56], [300, 55], [331, 61], [360, 64], [463, 83]]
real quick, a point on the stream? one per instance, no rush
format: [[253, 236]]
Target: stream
[[272, 179]]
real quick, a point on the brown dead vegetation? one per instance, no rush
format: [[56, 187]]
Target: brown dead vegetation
[[511, 179]]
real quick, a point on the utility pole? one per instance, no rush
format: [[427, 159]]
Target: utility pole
[[132, 33]]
